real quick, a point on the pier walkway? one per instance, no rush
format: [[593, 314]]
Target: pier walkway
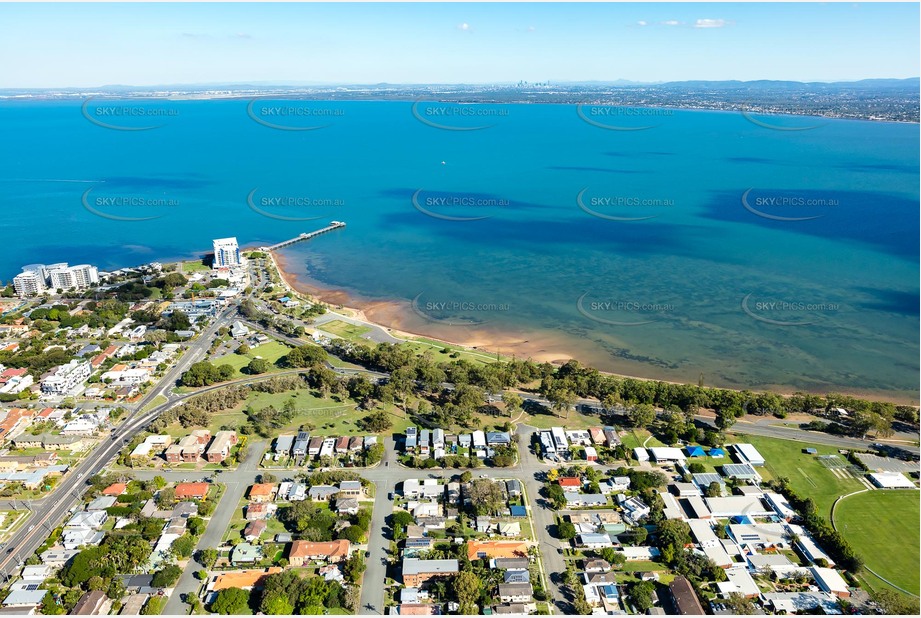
[[305, 236]]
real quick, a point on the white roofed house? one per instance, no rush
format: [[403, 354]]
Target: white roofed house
[[479, 439]]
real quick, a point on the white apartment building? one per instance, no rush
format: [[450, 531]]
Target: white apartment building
[[66, 377], [29, 283], [36, 278], [226, 253], [66, 277]]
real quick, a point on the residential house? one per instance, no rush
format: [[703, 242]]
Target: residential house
[[322, 492], [350, 489], [516, 593], [283, 445], [189, 448], [245, 553], [347, 506], [314, 446], [262, 492], [247, 580], [192, 490], [220, 446], [416, 572], [256, 511], [254, 530], [302, 552], [478, 550]]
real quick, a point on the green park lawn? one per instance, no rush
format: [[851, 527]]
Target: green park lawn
[[194, 267], [329, 416], [807, 476], [340, 328], [271, 351], [883, 527]]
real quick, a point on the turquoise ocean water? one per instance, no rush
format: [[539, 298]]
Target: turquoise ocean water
[[756, 251]]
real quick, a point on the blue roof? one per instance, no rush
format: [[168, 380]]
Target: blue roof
[[283, 299], [742, 519], [694, 451], [518, 511], [717, 452]]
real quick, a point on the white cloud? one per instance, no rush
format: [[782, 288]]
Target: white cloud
[[710, 23], [465, 27], [671, 22], [642, 23], [531, 29]]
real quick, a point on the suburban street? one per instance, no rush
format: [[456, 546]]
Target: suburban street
[[236, 482]]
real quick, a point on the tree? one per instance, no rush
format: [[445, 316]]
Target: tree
[[243, 349], [257, 366], [305, 356], [166, 577], [556, 495], [401, 519], [673, 534], [640, 594], [714, 490], [50, 607], [354, 567], [166, 497], [566, 530], [466, 477], [207, 557], [696, 468], [277, 604], [614, 557], [232, 602], [376, 422], [738, 604], [512, 402], [486, 496], [196, 526], [641, 415], [183, 546], [467, 588], [636, 536]]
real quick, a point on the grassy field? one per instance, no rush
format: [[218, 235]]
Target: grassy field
[[194, 267], [271, 351], [807, 476], [877, 521], [329, 416], [422, 345], [352, 332]]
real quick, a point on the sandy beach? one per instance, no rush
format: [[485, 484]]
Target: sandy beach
[[403, 322]]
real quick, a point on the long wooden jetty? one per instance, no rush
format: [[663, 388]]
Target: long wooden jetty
[[306, 236]]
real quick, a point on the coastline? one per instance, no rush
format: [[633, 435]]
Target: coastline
[[394, 317]]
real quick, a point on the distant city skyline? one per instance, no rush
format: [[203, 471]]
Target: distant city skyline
[[92, 45]]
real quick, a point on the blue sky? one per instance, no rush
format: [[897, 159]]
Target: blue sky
[[61, 45]]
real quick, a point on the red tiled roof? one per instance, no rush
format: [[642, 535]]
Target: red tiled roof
[[191, 490]]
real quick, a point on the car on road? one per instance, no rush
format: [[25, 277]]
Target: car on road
[[32, 527]]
